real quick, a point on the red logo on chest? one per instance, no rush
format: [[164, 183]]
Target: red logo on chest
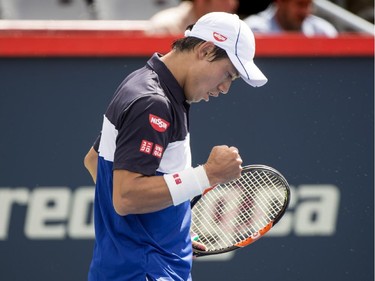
[[158, 123]]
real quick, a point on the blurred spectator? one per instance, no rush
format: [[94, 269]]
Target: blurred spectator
[[173, 21], [290, 16], [129, 9], [247, 8]]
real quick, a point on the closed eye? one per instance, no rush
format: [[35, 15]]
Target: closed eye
[[232, 76]]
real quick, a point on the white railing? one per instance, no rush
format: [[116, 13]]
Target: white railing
[[343, 17]]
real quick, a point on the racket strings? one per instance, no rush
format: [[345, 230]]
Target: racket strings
[[214, 222], [255, 216], [232, 212], [270, 192]]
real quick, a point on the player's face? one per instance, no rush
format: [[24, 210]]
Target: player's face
[[210, 79]]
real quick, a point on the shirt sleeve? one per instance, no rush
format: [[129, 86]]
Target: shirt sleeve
[[144, 132]]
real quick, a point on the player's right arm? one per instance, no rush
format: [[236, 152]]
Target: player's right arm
[[134, 193]]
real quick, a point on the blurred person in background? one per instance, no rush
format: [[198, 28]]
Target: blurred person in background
[[290, 16], [247, 8], [173, 21]]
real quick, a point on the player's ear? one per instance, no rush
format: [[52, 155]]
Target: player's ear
[[205, 50]]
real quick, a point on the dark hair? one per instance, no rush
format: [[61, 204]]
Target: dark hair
[[189, 43]]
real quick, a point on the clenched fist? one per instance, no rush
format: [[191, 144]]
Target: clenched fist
[[223, 164]]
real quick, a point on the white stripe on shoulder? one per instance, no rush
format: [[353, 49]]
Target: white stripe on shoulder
[[107, 144], [177, 157]]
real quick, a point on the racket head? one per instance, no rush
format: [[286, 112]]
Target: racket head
[[236, 214]]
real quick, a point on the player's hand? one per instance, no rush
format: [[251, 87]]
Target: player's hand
[[198, 246], [223, 164]]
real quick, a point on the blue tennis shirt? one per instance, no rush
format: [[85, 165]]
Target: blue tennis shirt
[[145, 130]]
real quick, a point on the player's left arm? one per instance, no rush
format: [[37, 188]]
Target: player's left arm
[[91, 163]]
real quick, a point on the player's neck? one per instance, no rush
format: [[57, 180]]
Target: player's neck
[[178, 64]]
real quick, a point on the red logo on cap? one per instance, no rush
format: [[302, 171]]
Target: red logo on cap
[[219, 37]]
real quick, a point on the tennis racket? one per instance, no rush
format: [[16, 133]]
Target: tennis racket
[[235, 214]]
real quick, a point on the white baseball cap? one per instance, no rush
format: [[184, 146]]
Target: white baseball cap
[[229, 32]]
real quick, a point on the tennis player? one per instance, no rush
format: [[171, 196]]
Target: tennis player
[[141, 161]]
